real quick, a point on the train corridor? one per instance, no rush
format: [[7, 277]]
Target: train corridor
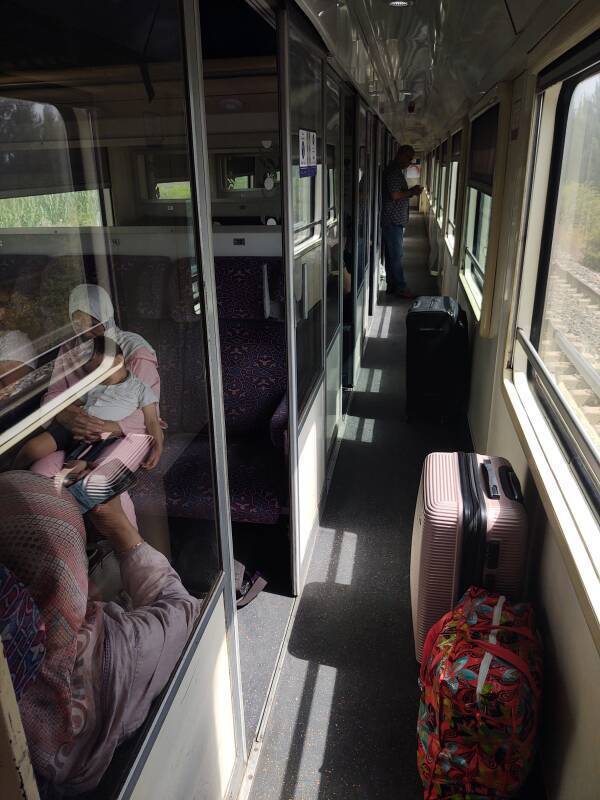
[[344, 715]]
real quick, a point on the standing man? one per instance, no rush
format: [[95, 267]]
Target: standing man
[[394, 218]]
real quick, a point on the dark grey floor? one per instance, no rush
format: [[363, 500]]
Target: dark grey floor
[[343, 722], [261, 626]]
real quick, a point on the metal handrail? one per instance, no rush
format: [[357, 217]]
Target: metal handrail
[[567, 419]]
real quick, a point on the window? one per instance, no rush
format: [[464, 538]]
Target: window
[[455, 149], [566, 321], [333, 244], [428, 173], [480, 179], [59, 209], [165, 175], [257, 172], [434, 178], [307, 192], [443, 181], [102, 331], [363, 195]]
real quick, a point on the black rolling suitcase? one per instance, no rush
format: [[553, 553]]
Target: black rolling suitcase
[[437, 357]]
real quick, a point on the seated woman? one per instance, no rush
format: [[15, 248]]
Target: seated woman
[[92, 314], [104, 666], [114, 399]]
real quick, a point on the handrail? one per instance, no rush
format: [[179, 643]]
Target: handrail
[[566, 420]]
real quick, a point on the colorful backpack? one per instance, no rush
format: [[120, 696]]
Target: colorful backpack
[[481, 678]]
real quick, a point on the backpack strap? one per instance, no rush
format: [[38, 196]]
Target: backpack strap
[[504, 654]]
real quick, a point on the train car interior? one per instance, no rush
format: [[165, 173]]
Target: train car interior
[[281, 281]]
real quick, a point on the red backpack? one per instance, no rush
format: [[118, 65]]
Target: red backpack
[[481, 677]]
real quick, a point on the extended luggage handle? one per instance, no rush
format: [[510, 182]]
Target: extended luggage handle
[[491, 480]]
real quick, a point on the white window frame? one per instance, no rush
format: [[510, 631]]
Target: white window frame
[[565, 502]]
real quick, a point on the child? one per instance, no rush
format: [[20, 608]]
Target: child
[[114, 399]]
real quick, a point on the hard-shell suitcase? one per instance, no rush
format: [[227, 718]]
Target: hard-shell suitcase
[[470, 528], [437, 356]]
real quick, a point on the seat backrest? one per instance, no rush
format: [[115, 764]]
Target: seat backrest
[[253, 351], [249, 287], [153, 303]]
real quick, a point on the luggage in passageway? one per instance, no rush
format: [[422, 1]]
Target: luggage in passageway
[[480, 680], [437, 356], [470, 528]]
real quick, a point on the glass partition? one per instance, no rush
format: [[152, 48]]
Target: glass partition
[[363, 196], [104, 415], [333, 215], [307, 158]]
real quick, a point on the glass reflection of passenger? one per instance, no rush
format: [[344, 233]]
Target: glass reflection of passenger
[[92, 315], [17, 354], [118, 396], [104, 665]]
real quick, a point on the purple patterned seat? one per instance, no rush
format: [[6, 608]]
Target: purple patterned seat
[[241, 289], [254, 368], [256, 482]]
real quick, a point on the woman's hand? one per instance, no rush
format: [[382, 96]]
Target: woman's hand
[[84, 427], [154, 454], [110, 521]]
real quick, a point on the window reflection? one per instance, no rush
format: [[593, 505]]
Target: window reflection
[[104, 422]]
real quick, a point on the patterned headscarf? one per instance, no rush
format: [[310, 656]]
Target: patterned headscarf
[[22, 631], [42, 541]]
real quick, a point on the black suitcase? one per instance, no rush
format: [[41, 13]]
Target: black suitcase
[[437, 355]]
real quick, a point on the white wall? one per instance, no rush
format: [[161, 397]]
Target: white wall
[[571, 703], [311, 477], [194, 754]]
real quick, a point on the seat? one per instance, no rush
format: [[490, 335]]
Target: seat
[[254, 367]]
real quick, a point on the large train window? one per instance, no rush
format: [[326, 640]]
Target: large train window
[[480, 180], [363, 194], [435, 176], [443, 182], [333, 219], [455, 149], [566, 317], [306, 103], [105, 433]]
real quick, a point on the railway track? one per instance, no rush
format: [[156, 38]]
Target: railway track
[[570, 342]]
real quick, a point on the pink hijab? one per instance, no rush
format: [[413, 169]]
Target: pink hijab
[[42, 541]]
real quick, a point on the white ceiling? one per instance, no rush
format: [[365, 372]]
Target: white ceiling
[[445, 52]]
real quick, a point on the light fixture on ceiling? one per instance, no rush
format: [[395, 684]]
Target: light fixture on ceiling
[[401, 3]]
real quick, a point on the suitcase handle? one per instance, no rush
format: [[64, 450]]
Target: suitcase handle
[[491, 480], [510, 484]]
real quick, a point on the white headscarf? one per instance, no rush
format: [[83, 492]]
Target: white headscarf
[[95, 301]]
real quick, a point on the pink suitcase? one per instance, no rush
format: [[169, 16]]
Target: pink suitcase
[[470, 528]]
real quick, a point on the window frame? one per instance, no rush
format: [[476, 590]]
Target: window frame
[[481, 300], [443, 183], [574, 525], [453, 223], [556, 407]]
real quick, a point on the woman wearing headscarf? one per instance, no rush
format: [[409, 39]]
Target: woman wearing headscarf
[[92, 314], [104, 666]]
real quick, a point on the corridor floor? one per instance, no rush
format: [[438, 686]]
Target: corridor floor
[[344, 716]]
